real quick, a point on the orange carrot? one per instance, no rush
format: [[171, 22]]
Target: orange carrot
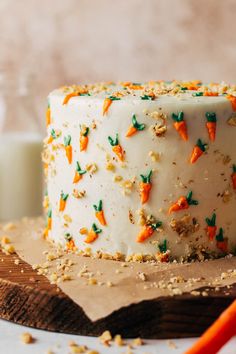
[[232, 100], [48, 116], [163, 256], [180, 125], [135, 127], [135, 86], [70, 244], [147, 231], [68, 148], [80, 92], [63, 200], [131, 131], [221, 241], [49, 223], [84, 139], [132, 85], [78, 173], [107, 102], [69, 96], [233, 177], [106, 105], [210, 93], [145, 187], [183, 203], [211, 227], [211, 125], [49, 215], [52, 136], [198, 150], [222, 330], [100, 213], [117, 148], [93, 234]]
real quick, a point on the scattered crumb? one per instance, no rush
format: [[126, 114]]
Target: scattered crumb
[[27, 338], [109, 284], [142, 276], [9, 226], [171, 344], [118, 340], [77, 349], [106, 338], [137, 342]]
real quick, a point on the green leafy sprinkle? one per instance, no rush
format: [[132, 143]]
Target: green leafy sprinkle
[[197, 94], [211, 117], [163, 246], [178, 117], [79, 170], [190, 200], [113, 142], [137, 125], [220, 236], [147, 178], [201, 145], [67, 140], [98, 207], [211, 221], [96, 229]]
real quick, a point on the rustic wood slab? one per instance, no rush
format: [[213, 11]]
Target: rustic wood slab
[[29, 299]]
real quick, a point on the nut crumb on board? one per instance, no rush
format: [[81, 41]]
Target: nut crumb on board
[[27, 338], [105, 338]]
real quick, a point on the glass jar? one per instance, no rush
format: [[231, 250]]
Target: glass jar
[[20, 149]]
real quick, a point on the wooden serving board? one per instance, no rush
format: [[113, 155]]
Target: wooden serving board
[[29, 299]]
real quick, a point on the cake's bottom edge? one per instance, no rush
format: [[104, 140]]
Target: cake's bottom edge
[[165, 257]]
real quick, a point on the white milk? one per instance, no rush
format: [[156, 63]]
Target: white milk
[[20, 175]]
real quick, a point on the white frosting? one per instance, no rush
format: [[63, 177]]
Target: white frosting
[[173, 175]]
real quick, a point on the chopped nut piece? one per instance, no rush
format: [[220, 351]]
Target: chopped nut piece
[[155, 156], [131, 217], [226, 196], [110, 166], [232, 120], [91, 167], [5, 240], [67, 218], [9, 226], [77, 349], [92, 281], [171, 344], [184, 226], [105, 338], [118, 340], [142, 276], [137, 342], [27, 338], [83, 231], [9, 249], [117, 178], [159, 130], [78, 194], [109, 284]]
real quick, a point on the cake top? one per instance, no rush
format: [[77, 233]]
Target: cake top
[[151, 90]]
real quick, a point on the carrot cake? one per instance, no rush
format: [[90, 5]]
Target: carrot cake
[[142, 171]]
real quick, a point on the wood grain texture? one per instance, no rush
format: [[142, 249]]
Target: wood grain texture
[[29, 299]]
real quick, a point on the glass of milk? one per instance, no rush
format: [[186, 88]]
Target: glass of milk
[[20, 151]]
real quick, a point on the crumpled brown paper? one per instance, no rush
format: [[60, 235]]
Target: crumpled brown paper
[[101, 287]]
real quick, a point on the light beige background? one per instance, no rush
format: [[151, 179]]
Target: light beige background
[[68, 41]]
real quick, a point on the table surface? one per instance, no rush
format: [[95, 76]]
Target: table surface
[[10, 343]]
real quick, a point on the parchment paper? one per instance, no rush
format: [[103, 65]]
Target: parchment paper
[[117, 284]]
